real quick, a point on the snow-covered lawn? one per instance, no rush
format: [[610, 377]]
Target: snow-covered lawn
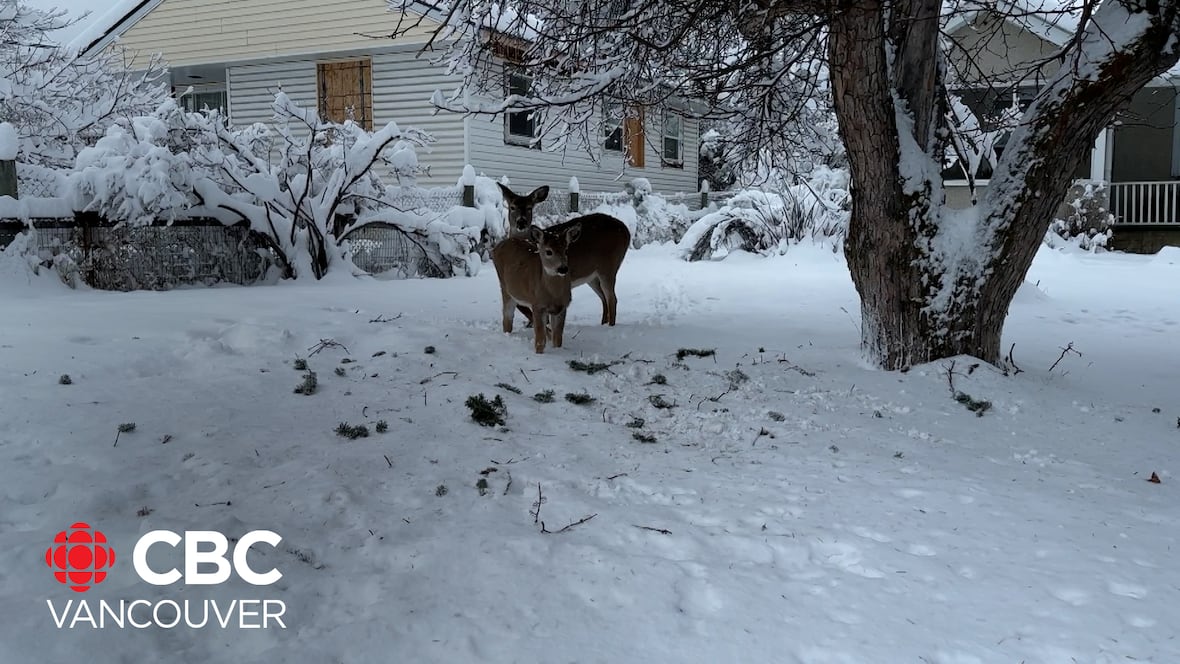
[[796, 505]]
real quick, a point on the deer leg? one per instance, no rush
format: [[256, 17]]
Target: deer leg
[[610, 301], [596, 284], [557, 322], [539, 331], [528, 314], [508, 311]]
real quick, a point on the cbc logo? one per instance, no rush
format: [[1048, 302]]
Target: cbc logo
[[81, 557]]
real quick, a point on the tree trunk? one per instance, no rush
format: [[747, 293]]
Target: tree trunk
[[888, 265], [933, 282]]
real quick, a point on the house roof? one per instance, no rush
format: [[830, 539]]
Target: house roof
[[1055, 21], [123, 14]]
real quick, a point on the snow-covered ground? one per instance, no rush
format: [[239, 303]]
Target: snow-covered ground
[[796, 505]]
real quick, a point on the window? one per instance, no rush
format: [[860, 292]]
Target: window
[[622, 131], [205, 97], [520, 128], [612, 128], [345, 91], [673, 154]]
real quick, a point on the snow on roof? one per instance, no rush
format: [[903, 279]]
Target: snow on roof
[[117, 18], [1055, 21]]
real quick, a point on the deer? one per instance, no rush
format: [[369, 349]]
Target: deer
[[536, 273], [594, 260]]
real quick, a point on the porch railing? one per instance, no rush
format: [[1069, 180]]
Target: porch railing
[[1145, 203]]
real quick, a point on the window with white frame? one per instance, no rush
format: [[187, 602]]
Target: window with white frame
[[672, 153], [520, 127]]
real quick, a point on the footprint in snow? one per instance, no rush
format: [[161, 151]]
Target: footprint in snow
[[1126, 590], [1072, 596], [921, 550], [843, 556], [861, 531], [1142, 622]]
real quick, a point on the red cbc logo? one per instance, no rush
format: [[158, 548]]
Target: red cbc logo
[[80, 557]]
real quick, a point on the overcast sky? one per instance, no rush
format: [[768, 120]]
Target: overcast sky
[[75, 8]]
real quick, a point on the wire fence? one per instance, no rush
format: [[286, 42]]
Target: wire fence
[[196, 252], [39, 182], [206, 252]]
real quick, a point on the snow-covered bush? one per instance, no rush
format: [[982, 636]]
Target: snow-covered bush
[[61, 101], [651, 217], [302, 184], [768, 222], [1085, 221]]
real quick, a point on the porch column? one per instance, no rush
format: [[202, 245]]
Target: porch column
[[1101, 156]]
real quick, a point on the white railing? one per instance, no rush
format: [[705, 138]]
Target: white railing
[[1143, 203]]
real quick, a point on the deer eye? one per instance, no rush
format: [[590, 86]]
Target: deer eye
[[548, 252]]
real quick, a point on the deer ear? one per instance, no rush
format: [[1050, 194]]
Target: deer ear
[[508, 194], [573, 233], [540, 193], [536, 234]]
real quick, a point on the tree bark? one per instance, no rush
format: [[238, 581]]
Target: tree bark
[[921, 301]]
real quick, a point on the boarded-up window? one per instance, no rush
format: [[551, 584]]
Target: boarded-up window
[[346, 91], [622, 131], [633, 132]]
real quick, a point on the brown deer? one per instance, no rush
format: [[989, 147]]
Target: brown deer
[[536, 273], [594, 260]]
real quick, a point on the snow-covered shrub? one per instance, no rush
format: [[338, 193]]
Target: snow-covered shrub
[[716, 161], [302, 184], [768, 222], [61, 101], [23, 261], [1084, 220]]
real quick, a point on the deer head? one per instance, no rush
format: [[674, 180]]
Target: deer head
[[520, 208]]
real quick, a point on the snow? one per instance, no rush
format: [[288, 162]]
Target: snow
[[870, 519], [575, 188], [35, 208], [467, 179]]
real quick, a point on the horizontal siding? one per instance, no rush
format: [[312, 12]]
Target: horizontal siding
[[995, 50], [529, 168], [252, 88], [402, 86], [191, 32]]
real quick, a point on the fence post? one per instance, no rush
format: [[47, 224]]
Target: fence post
[[8, 178], [468, 183], [575, 195], [704, 194], [9, 147]]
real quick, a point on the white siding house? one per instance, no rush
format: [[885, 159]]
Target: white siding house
[[236, 54]]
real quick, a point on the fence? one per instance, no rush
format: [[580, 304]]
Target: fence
[[1145, 203], [199, 251]]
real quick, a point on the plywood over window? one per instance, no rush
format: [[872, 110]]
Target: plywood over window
[[345, 91]]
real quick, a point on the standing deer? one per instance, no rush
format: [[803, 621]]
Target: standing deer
[[594, 260], [536, 273]]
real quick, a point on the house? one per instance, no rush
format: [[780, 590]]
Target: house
[[332, 56], [999, 58]]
